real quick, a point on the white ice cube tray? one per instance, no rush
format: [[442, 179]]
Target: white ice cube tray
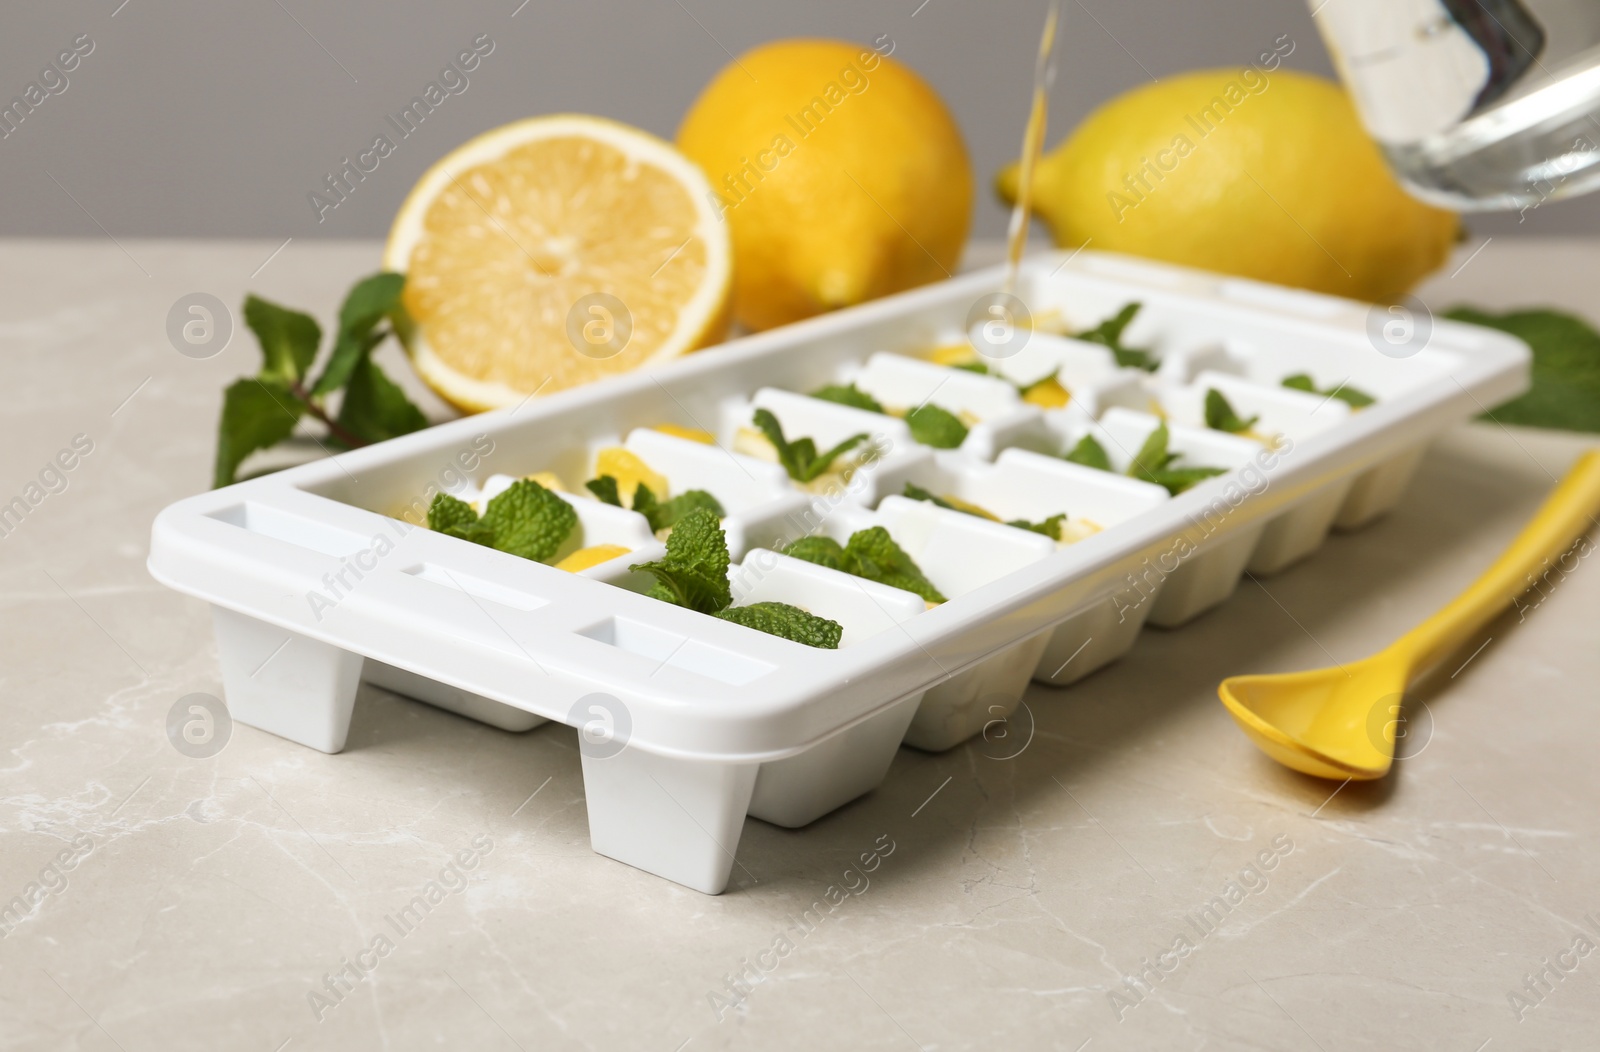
[[689, 723]]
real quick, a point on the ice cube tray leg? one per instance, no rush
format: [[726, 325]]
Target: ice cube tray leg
[[969, 701], [1299, 531], [800, 789], [1204, 579], [1379, 489], [1090, 640], [284, 683], [678, 819]]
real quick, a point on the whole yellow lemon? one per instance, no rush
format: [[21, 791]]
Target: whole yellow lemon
[[1264, 175], [840, 172]]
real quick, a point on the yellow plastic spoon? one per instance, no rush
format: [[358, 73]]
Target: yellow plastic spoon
[[1340, 722]]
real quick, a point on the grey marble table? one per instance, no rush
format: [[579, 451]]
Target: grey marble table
[[174, 902]]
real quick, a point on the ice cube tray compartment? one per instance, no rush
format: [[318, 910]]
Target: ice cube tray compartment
[[996, 415], [1212, 560], [1025, 485], [863, 608], [879, 465], [958, 553], [1276, 410], [752, 492], [598, 523], [799, 789], [1283, 413], [316, 580]]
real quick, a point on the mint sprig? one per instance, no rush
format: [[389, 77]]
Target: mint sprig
[[1090, 454], [694, 572], [526, 520], [661, 514], [259, 412], [1108, 334], [694, 575], [1220, 414], [870, 554], [1155, 463], [605, 490], [1565, 393], [800, 457], [916, 492], [1050, 527], [935, 426], [530, 521], [1350, 396], [850, 395], [787, 622]]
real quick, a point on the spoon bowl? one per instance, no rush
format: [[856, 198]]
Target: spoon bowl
[[1330, 722], [1340, 722]]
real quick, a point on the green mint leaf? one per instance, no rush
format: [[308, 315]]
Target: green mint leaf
[[605, 490], [803, 452], [366, 305], [288, 339], [824, 551], [698, 545], [447, 512], [530, 521], [973, 367], [256, 413], [800, 458], [663, 593], [1090, 454], [1134, 358], [1153, 455], [787, 454], [455, 518], [1153, 463], [820, 462], [479, 532], [667, 514], [1050, 527], [787, 622], [1352, 397], [695, 570], [644, 499], [848, 394], [936, 427], [1565, 393], [1109, 334], [874, 555], [374, 406], [1176, 480], [1220, 415], [916, 492], [402, 325]]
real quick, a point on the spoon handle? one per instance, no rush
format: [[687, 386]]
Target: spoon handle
[[1566, 514]]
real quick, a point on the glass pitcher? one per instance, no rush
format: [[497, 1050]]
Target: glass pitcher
[[1477, 104]]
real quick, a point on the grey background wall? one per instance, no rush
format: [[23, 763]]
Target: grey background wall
[[212, 118]]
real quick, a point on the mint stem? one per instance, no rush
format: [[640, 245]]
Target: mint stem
[[317, 411]]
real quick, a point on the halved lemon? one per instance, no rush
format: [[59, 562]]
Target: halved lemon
[[555, 251]]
